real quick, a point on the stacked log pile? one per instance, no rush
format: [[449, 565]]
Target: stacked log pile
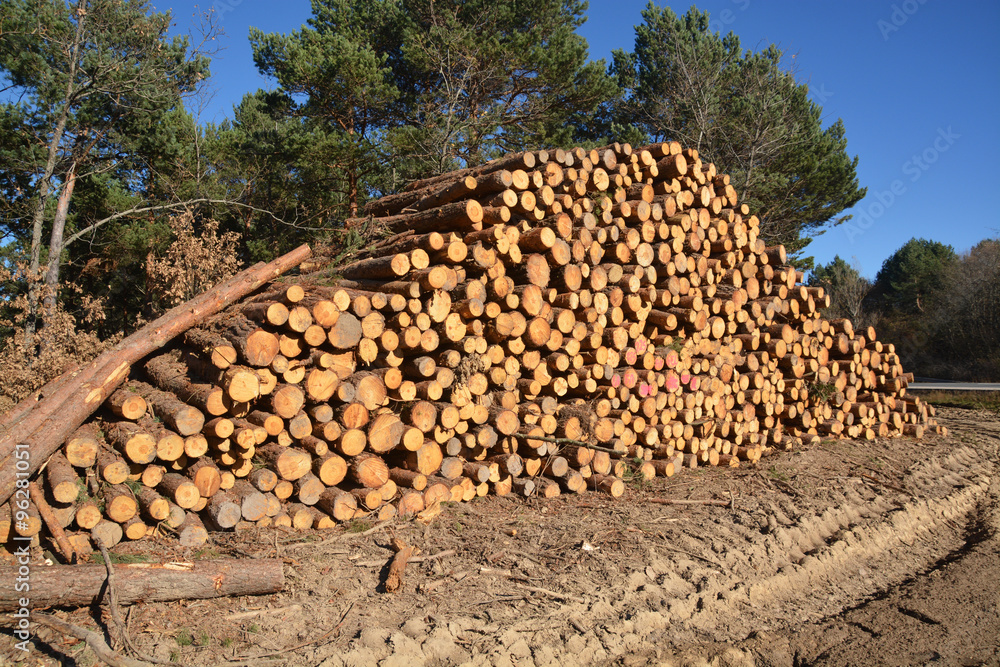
[[542, 324]]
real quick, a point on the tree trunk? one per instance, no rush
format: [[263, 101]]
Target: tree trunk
[[55, 417], [45, 182], [83, 585], [56, 243]]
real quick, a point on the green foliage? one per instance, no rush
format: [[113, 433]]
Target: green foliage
[[373, 94], [744, 111], [969, 400], [482, 78], [633, 475], [122, 558], [778, 475], [206, 553], [335, 76], [913, 274], [357, 526], [95, 117], [821, 392], [942, 309]]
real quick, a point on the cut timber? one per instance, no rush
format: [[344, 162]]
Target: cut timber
[[83, 585], [339, 504], [256, 346], [133, 441], [385, 432], [108, 532], [61, 479], [290, 464], [613, 486], [346, 333], [127, 404], [56, 416], [457, 215], [285, 401], [88, 515], [331, 469], [386, 267], [81, 448], [152, 505], [119, 503], [394, 578], [111, 467], [180, 490], [408, 478], [205, 475], [192, 532], [410, 503], [253, 503], [212, 347], [368, 470], [426, 460], [597, 317]]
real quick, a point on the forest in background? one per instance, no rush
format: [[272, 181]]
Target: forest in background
[[115, 204]]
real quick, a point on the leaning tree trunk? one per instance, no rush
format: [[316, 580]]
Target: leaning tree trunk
[[42, 431]]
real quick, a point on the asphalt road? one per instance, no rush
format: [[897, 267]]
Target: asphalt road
[[943, 385]]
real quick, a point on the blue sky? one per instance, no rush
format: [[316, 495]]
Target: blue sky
[[917, 83]]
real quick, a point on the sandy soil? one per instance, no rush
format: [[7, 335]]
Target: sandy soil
[[847, 553]]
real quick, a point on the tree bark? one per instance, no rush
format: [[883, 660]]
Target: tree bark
[[82, 585], [45, 182], [56, 416]]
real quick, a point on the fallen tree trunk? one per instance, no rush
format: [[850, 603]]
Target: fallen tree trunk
[[83, 585], [43, 430]]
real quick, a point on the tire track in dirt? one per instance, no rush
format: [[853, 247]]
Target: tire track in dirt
[[820, 548], [733, 589], [821, 563]]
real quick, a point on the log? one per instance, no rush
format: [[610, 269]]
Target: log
[[368, 470], [256, 346], [394, 577], [81, 448], [119, 503], [223, 510], [457, 215], [127, 404], [338, 504], [61, 479], [107, 532], [290, 464], [218, 351], [192, 532], [205, 475], [84, 585], [331, 469], [180, 490], [152, 505], [55, 417], [51, 522], [133, 441], [595, 318]]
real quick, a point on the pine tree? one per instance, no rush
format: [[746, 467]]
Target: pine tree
[[481, 78], [743, 111], [335, 76], [94, 87]]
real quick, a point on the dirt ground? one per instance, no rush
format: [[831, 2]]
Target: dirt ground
[[846, 553]]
